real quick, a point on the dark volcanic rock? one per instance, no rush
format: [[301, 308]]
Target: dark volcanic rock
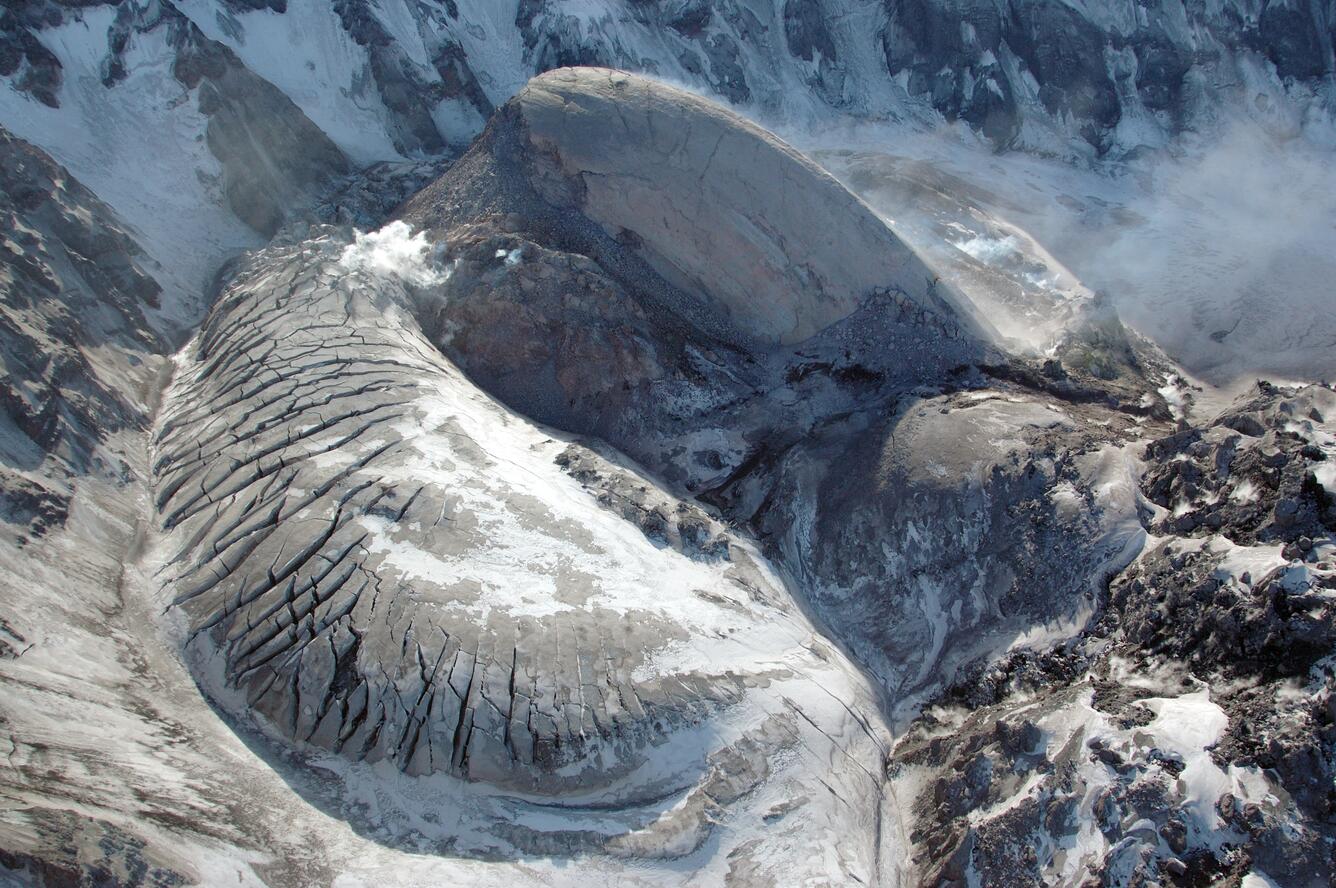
[[1254, 470], [1291, 37], [1215, 617]]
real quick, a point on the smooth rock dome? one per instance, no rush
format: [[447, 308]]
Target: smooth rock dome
[[720, 207]]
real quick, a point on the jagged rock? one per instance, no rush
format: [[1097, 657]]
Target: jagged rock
[[1255, 470], [1185, 734], [1033, 73]]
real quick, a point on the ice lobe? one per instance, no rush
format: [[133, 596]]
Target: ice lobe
[[379, 560], [720, 207]]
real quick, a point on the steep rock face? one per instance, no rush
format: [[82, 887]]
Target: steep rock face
[[408, 89], [1292, 37], [79, 361], [198, 155], [74, 293], [403, 79], [553, 281], [1005, 67], [274, 160], [1028, 73]]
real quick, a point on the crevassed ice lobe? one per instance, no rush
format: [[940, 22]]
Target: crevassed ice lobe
[[388, 564]]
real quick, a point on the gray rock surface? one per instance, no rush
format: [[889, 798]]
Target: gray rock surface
[[829, 439], [80, 361], [718, 207], [547, 289]]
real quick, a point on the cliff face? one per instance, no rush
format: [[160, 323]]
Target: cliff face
[[288, 88], [207, 126]]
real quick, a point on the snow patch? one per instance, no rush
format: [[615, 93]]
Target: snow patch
[[1188, 726], [1325, 474]]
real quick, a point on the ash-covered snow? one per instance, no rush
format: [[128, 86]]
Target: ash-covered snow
[[1188, 726]]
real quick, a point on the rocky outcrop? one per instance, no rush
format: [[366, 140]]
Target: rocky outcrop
[[819, 415], [1259, 469], [73, 284], [717, 207], [1185, 736], [34, 68], [708, 308], [934, 534]]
